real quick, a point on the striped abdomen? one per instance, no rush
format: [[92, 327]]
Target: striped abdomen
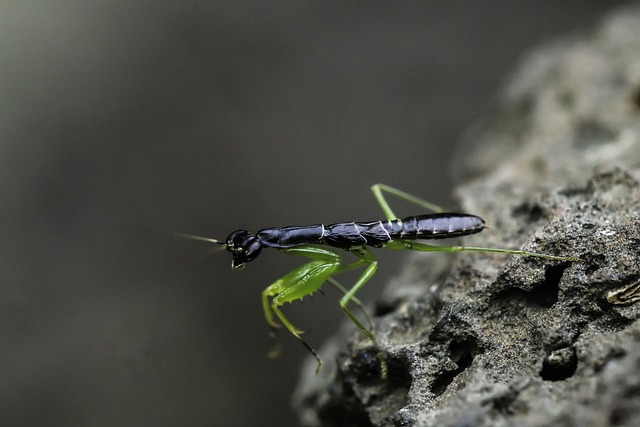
[[377, 233]]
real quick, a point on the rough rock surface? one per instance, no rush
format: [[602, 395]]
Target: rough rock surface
[[494, 340]]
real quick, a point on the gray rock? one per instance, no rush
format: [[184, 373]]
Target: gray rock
[[494, 340]]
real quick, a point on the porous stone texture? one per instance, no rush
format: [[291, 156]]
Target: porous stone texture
[[494, 340]]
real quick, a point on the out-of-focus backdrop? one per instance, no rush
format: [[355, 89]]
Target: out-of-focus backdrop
[[122, 121]]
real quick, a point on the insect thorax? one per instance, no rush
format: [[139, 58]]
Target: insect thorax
[[288, 237]]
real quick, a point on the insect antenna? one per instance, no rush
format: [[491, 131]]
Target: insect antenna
[[201, 238]]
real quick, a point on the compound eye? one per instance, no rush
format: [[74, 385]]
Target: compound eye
[[237, 241], [244, 247]]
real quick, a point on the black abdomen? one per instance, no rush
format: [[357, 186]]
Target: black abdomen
[[435, 226], [432, 226]]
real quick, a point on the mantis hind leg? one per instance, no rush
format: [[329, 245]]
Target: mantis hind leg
[[423, 247], [379, 190]]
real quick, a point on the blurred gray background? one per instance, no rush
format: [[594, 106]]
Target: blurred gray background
[[121, 117]]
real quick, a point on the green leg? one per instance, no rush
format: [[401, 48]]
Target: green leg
[[333, 282], [320, 256], [297, 284], [286, 284], [380, 189], [402, 245], [372, 264], [308, 278]]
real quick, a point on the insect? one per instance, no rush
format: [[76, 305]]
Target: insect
[[324, 246]]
